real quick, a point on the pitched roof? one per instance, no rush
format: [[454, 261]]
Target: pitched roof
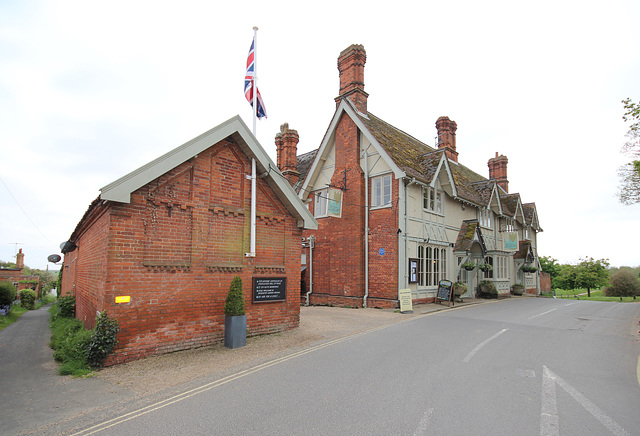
[[121, 189], [417, 160]]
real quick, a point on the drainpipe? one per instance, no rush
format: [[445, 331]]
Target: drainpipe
[[311, 240], [402, 237], [366, 228]]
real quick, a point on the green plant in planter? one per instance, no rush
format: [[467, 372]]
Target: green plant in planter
[[235, 320], [487, 289], [459, 289], [485, 267], [234, 304], [517, 289], [469, 266], [528, 268]]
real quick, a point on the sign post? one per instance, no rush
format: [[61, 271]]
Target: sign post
[[406, 304]]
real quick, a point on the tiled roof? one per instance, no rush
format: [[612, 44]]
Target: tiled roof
[[417, 159], [404, 149], [304, 163]]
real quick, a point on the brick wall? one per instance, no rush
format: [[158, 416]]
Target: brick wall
[[175, 248], [339, 253]]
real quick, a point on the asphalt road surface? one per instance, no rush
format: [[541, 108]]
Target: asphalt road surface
[[528, 366]]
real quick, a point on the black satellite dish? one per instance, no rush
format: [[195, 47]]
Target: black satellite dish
[[67, 247], [54, 258]]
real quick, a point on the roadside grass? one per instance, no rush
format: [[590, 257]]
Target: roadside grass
[[69, 340], [7, 320], [596, 295], [17, 311]]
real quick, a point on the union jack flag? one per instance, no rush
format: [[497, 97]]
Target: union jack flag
[[249, 84]]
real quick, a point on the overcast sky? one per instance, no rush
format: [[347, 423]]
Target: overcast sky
[[90, 91]]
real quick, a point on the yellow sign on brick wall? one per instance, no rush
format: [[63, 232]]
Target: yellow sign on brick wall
[[123, 299]]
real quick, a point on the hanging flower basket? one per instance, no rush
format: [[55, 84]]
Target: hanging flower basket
[[469, 266], [485, 267], [528, 269]]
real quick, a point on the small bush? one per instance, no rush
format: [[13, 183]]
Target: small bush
[[28, 299], [487, 289], [103, 340], [623, 284], [234, 304], [70, 341], [7, 297], [459, 289], [67, 306]]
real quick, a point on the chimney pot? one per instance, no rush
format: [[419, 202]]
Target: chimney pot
[[351, 68]]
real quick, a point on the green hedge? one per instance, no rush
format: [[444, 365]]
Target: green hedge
[[28, 299]]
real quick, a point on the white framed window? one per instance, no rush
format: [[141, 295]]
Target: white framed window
[[501, 267], [485, 217], [510, 225], [321, 201], [381, 191], [432, 200], [432, 265]]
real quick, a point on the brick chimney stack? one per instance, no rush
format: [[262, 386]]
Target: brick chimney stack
[[351, 67], [287, 148], [447, 137], [20, 259], [498, 170]]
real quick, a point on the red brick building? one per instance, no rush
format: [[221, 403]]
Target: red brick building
[[395, 213], [17, 277], [171, 236]]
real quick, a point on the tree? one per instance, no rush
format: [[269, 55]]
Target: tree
[[629, 190], [566, 278], [592, 273], [624, 283], [550, 266]]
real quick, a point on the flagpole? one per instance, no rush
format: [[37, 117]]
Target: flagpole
[[252, 243], [255, 77]]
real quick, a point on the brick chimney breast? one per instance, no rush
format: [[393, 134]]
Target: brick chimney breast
[[447, 137], [498, 170], [351, 68], [287, 148]]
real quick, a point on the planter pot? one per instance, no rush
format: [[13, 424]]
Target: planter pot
[[235, 331], [517, 290]]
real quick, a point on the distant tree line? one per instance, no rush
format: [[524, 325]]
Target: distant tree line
[[589, 274]]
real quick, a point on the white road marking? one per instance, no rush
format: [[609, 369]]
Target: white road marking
[[424, 423], [569, 304], [482, 344], [543, 313], [549, 425]]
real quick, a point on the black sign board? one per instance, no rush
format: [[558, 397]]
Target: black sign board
[[266, 289], [445, 290]]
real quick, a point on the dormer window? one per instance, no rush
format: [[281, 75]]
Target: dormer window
[[433, 200], [485, 217]]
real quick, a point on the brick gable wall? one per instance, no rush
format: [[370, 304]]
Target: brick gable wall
[[339, 251], [175, 249]]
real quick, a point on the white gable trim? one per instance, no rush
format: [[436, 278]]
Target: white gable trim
[[444, 163], [121, 189], [344, 107]]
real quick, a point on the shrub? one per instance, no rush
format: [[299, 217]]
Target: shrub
[[28, 299], [623, 284], [234, 304], [517, 289], [459, 288], [103, 340], [487, 289], [69, 341], [59, 283], [7, 297], [67, 306]]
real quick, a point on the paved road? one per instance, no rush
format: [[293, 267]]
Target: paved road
[[520, 366], [31, 392]]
